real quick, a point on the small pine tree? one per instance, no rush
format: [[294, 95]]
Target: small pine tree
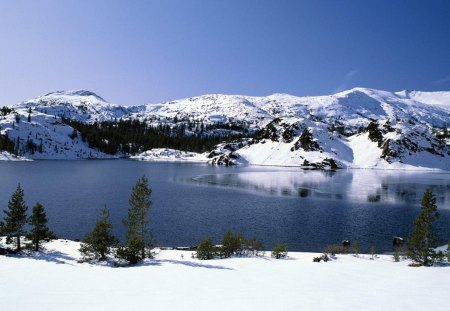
[[423, 239], [356, 247], [16, 216], [373, 252], [205, 249], [232, 244], [138, 234], [39, 230], [98, 243], [280, 251], [396, 256]]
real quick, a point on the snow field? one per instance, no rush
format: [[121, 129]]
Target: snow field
[[56, 281]]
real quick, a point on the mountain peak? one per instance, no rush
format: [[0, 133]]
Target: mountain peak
[[82, 93]]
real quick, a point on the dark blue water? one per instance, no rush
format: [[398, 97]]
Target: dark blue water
[[305, 209]]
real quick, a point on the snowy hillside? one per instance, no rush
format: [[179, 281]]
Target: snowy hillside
[[37, 134], [357, 128]]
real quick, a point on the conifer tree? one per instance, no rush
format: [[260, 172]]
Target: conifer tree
[[15, 216], [205, 249], [423, 239], [99, 242], [232, 244], [138, 234], [39, 230]]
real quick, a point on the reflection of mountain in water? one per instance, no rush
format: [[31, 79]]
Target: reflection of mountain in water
[[357, 185]]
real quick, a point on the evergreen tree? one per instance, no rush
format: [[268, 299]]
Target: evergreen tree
[[375, 133], [138, 234], [205, 249], [15, 216], [232, 244], [423, 239], [39, 230], [99, 242]]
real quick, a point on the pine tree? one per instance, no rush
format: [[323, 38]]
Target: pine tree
[[232, 244], [423, 239], [138, 235], [15, 216], [99, 242], [205, 249], [39, 230]]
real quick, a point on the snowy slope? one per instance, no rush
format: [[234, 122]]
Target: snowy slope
[[54, 280], [439, 99], [49, 136]]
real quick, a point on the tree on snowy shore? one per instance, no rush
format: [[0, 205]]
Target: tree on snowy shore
[[15, 217], [138, 234], [39, 230], [423, 240], [99, 242]]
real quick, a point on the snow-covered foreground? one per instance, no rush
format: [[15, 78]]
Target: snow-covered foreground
[[55, 281]]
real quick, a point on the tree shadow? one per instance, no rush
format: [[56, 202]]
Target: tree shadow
[[159, 262], [48, 256], [193, 264]]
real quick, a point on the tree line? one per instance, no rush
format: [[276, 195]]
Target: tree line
[[134, 136], [100, 243]]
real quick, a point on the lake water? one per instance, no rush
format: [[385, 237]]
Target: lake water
[[305, 209]]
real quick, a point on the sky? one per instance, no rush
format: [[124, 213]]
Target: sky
[[136, 52]]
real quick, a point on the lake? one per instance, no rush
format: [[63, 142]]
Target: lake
[[306, 209]]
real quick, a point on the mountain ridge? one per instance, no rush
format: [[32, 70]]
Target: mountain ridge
[[406, 128]]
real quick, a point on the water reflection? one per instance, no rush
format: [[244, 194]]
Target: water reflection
[[353, 185]]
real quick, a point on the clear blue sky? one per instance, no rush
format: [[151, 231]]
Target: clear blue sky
[[134, 52]]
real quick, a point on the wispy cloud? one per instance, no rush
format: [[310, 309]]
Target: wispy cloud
[[443, 80], [346, 80]]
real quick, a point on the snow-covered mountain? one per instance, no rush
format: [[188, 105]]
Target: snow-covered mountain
[[357, 128], [78, 105]]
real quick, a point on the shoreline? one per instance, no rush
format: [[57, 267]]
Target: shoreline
[[305, 168]]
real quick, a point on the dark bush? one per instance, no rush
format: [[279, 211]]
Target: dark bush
[[336, 249], [324, 258]]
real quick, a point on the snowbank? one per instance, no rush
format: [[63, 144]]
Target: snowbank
[[56, 281], [6, 156], [171, 155]]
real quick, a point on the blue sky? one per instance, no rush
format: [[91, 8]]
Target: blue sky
[[134, 52]]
